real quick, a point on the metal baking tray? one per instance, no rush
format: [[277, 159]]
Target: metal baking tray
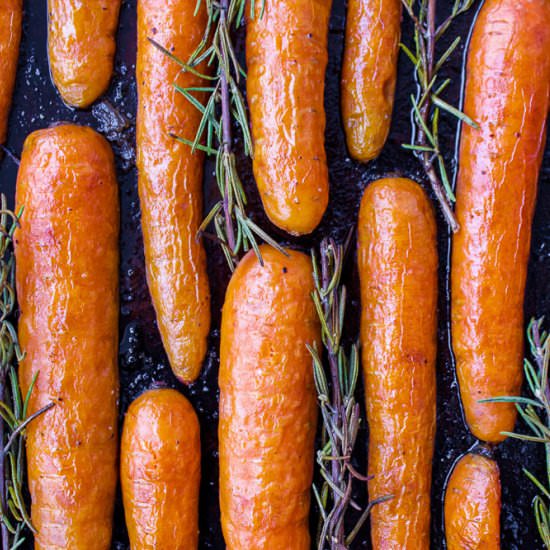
[[142, 359]]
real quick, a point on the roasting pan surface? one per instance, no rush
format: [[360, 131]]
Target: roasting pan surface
[[142, 360]]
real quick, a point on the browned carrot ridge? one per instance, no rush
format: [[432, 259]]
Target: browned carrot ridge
[[507, 93], [67, 285], [397, 258], [268, 407], [160, 466], [472, 505], [170, 181]]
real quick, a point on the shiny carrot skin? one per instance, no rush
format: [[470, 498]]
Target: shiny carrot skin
[[160, 472], [472, 505], [507, 93], [11, 15], [170, 181], [268, 411], [369, 73], [286, 56], [397, 258], [81, 47], [67, 285]]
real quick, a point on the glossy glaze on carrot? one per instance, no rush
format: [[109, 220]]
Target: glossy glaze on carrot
[[507, 93], [11, 15], [160, 472], [67, 285], [472, 505], [81, 47], [268, 410], [369, 73], [286, 56], [170, 181], [397, 258]]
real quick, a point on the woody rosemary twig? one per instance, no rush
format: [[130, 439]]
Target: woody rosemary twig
[[428, 102], [223, 111], [336, 384], [535, 411], [13, 407]]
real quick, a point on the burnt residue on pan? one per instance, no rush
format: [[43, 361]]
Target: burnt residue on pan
[[142, 360]]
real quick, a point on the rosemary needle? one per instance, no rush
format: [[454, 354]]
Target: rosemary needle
[[13, 408], [336, 384], [535, 412]]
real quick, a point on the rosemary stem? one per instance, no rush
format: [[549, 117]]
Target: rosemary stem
[[24, 424], [439, 192], [342, 428], [221, 115], [425, 110], [226, 129], [3, 499]]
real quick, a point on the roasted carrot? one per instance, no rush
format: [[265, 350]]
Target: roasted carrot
[[472, 505], [160, 471], [369, 73], [11, 15], [67, 285], [286, 56], [507, 93], [397, 258], [170, 181], [81, 47], [267, 402]]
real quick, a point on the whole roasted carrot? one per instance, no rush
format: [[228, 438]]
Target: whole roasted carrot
[[472, 505], [170, 181], [286, 56], [160, 471], [81, 45], [397, 258], [11, 15], [507, 93], [369, 73], [267, 403], [67, 285]]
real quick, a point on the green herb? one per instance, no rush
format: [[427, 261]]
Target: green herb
[[336, 384], [13, 407], [535, 411], [428, 103], [224, 109]]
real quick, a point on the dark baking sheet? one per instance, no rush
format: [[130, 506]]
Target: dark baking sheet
[[142, 360]]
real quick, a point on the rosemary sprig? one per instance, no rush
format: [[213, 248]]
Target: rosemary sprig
[[224, 109], [428, 103], [13, 407], [535, 411], [336, 395]]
